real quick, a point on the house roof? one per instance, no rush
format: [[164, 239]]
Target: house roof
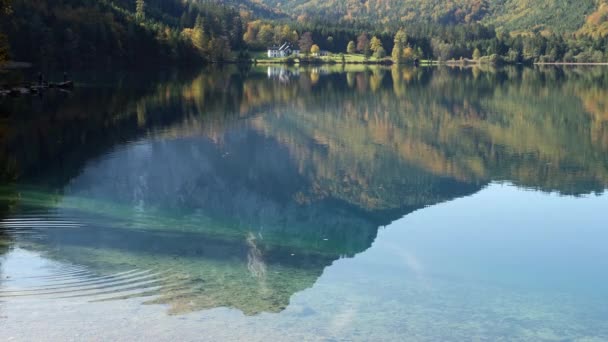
[[283, 47]]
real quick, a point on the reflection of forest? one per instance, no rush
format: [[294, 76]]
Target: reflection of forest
[[545, 129], [243, 172], [542, 128], [39, 133]]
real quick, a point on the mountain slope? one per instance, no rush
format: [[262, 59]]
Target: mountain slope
[[554, 15], [520, 15], [596, 24]]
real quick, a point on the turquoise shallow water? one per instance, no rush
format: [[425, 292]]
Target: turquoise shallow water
[[308, 204]]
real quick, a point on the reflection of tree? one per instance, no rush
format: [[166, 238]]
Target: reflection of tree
[[247, 212], [471, 124], [58, 129]]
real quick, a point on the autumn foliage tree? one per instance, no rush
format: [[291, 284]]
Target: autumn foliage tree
[[305, 42], [351, 47], [363, 44]]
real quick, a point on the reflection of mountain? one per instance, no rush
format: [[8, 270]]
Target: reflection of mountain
[[241, 189], [238, 209]]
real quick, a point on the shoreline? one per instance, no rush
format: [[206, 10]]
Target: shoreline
[[467, 63], [571, 63], [17, 65]]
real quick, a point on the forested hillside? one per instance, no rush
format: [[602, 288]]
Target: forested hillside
[[507, 31], [525, 15], [596, 24], [75, 33], [72, 33]]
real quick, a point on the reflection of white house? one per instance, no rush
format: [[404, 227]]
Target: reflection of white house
[[282, 74], [282, 51]]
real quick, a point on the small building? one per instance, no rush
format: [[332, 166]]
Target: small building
[[284, 50], [321, 53]]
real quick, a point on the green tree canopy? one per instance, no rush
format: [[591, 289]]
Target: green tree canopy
[[380, 52]]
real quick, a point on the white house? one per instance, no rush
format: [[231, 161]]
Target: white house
[[282, 51]]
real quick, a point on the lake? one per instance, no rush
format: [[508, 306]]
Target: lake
[[319, 203]]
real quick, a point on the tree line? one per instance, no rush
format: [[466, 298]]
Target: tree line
[[77, 33]]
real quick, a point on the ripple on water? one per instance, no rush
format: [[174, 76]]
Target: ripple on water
[[29, 274]]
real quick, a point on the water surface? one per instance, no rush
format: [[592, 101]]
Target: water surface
[[308, 204]]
